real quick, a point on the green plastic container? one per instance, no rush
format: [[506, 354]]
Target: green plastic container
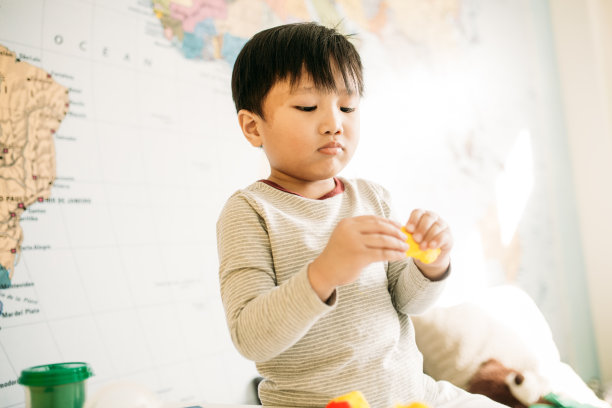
[[55, 385]]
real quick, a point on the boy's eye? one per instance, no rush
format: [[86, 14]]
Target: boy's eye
[[306, 108], [347, 110]]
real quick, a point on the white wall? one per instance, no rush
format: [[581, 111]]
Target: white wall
[[583, 40]]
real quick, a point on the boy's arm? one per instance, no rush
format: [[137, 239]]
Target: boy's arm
[[264, 319], [411, 291]]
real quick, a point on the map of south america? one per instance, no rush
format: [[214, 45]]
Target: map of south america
[[32, 107]]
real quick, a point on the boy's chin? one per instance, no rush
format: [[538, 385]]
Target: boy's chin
[[331, 171], [323, 176], [314, 174]]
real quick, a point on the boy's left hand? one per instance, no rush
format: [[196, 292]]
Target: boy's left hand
[[430, 231]]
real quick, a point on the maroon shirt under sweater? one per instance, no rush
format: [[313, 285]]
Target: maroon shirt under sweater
[[338, 189]]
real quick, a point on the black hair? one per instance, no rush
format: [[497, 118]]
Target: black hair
[[282, 52]]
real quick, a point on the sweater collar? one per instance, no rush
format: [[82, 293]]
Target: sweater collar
[[338, 188]]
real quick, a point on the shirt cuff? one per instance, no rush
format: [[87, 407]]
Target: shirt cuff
[[441, 277]]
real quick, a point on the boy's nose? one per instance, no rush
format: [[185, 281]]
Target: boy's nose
[[331, 124]]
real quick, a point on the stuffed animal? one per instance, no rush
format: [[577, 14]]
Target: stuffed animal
[[508, 386]]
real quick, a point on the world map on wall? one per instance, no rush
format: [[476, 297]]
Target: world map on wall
[[209, 29], [32, 107], [118, 148], [34, 104]]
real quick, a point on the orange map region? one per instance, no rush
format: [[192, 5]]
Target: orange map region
[[32, 106]]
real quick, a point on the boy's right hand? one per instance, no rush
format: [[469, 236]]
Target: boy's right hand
[[354, 244]]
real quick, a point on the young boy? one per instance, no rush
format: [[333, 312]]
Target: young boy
[[314, 277]]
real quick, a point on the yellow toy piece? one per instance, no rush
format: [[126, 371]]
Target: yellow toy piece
[[427, 256], [353, 399], [413, 405]]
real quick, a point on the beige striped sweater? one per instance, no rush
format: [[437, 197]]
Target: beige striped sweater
[[309, 351]]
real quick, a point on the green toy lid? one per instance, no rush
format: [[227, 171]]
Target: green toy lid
[[55, 374]]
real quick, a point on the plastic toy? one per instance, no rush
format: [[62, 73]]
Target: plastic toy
[[427, 256], [413, 405], [353, 399]]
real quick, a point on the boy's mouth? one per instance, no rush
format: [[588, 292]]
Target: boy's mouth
[[331, 148]]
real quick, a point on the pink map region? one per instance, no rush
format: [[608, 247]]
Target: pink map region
[[199, 10]]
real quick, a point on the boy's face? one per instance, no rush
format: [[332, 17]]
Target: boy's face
[[309, 134]]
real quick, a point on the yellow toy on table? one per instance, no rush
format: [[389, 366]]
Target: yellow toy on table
[[413, 405], [427, 256], [355, 399]]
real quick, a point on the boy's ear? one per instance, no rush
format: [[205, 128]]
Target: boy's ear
[[249, 123]]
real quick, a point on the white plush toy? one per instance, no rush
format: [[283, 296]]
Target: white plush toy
[[526, 387]]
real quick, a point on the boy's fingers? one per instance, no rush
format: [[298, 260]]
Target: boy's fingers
[[382, 241], [416, 217], [383, 221], [413, 220], [443, 240], [426, 221], [380, 225], [385, 254], [433, 237]]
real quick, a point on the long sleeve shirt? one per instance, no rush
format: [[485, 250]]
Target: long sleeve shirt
[[309, 351]]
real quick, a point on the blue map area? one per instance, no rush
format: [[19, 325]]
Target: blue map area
[[205, 28], [231, 47], [5, 281], [199, 44], [192, 46]]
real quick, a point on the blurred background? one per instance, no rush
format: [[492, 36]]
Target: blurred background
[[120, 146]]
